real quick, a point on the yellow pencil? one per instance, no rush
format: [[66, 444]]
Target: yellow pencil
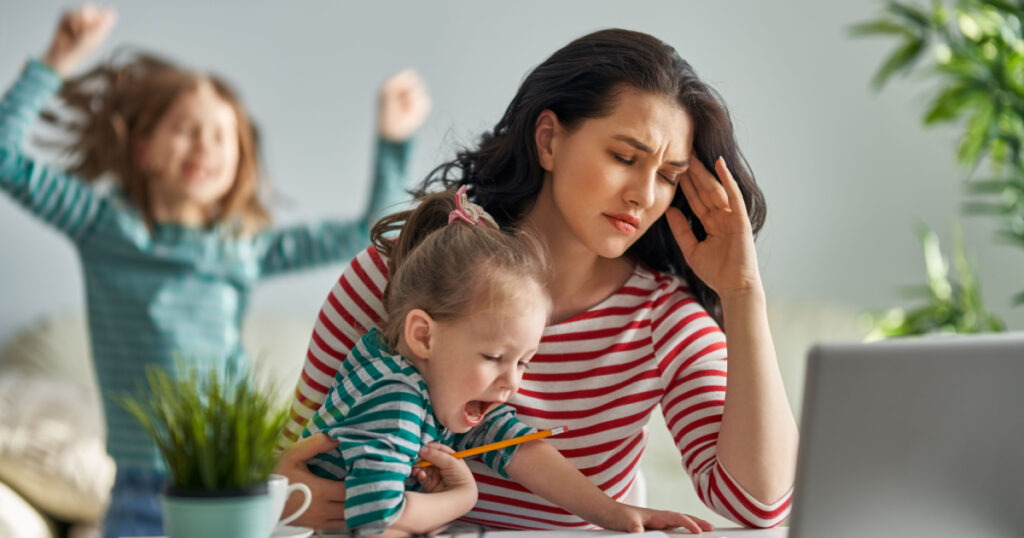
[[502, 444]]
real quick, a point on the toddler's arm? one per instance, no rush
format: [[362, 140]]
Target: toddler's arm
[[542, 470]]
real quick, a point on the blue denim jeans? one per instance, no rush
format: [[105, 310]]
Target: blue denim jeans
[[134, 505]]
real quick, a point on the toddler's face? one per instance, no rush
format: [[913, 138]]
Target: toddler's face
[[192, 154], [477, 361]]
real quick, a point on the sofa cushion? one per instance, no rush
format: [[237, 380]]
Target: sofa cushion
[[52, 448]]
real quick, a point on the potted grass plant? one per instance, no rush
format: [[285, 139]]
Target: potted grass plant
[[216, 431]]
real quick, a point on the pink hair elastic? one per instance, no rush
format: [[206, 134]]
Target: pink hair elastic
[[469, 212]]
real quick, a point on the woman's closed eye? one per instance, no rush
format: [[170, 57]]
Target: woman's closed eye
[[493, 358], [624, 159]]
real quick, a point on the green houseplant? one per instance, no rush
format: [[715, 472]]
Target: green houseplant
[[216, 432], [974, 49]]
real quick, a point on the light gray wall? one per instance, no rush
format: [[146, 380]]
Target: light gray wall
[[846, 171]]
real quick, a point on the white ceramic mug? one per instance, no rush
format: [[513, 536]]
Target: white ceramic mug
[[280, 490]]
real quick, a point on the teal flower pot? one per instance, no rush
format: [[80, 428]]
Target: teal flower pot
[[217, 514]]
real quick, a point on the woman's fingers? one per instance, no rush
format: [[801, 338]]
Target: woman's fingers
[[731, 188], [686, 183], [707, 185], [681, 230]]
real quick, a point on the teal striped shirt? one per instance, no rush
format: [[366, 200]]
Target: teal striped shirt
[[379, 410], [171, 292]]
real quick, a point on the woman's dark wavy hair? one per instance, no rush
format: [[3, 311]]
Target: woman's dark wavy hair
[[582, 81]]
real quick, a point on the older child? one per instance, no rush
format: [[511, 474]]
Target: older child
[[172, 253], [466, 308]]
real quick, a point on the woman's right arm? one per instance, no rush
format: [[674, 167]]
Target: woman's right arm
[[352, 308]]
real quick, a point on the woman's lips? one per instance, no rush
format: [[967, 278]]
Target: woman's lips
[[626, 224]]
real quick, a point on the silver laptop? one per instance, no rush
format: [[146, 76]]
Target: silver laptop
[[913, 437]]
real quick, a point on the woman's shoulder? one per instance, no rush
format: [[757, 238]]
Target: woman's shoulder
[[657, 283]]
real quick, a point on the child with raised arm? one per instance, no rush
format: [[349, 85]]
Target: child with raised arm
[[465, 310], [171, 254]]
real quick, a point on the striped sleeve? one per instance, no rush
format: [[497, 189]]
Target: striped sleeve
[[51, 194], [691, 353], [352, 308], [378, 427], [295, 248], [301, 247], [500, 424]]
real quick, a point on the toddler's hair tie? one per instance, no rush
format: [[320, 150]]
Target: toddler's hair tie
[[469, 212]]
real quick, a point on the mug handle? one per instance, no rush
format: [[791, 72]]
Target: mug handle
[[298, 486]]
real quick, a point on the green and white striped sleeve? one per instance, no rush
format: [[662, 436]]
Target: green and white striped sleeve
[[500, 424], [52, 194]]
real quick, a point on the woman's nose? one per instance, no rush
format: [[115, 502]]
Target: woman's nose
[[640, 191]]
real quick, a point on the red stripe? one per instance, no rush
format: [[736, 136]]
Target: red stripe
[[311, 383], [604, 313], [334, 353], [656, 324], [697, 356], [721, 498], [699, 446], [326, 322], [320, 365], [378, 260], [692, 409], [754, 509], [574, 414], [519, 503], [607, 484], [588, 393], [613, 459], [685, 343], [617, 347], [598, 448], [366, 280], [359, 302], [585, 374], [693, 426], [596, 333], [690, 377]]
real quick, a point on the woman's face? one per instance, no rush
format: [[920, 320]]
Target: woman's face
[[192, 154], [610, 179]]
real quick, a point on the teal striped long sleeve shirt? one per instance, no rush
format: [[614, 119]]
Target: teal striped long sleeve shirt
[[154, 296], [379, 410]]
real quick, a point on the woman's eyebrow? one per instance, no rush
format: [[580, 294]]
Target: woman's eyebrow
[[647, 149]]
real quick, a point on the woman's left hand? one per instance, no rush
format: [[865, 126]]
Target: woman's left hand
[[726, 259]]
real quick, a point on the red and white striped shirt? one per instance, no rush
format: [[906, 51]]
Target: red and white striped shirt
[[601, 372]]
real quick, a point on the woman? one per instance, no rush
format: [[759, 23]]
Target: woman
[[606, 152]]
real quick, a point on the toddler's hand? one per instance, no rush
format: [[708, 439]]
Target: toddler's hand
[[634, 519], [404, 104], [447, 473], [79, 33]]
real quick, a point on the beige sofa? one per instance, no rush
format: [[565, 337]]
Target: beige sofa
[[55, 475]]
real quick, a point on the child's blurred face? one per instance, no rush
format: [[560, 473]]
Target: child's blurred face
[[192, 154], [477, 361]]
